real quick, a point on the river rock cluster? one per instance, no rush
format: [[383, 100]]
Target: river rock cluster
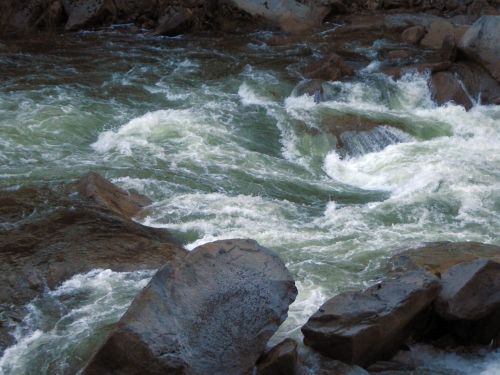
[[214, 309]]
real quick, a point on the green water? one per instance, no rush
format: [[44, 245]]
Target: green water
[[210, 130]]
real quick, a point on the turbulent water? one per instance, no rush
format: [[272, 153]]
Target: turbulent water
[[212, 130]]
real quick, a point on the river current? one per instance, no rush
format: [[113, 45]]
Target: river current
[[215, 133]]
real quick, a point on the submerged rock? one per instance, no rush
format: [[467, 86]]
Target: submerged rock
[[332, 68], [364, 327], [107, 195], [210, 313], [47, 237], [481, 44]]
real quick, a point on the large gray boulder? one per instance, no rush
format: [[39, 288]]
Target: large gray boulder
[[482, 43], [363, 327], [211, 313], [290, 15]]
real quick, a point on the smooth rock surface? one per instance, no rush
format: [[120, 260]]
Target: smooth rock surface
[[290, 15], [107, 195], [279, 360], [413, 34], [445, 87], [210, 313], [437, 33], [481, 43], [364, 327], [438, 257], [470, 291]]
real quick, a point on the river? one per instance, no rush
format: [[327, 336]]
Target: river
[[213, 131]]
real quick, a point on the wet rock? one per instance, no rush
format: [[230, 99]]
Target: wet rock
[[479, 84], [438, 257], [359, 143], [290, 15], [107, 195], [311, 87], [437, 33], [480, 43], [471, 291], [356, 136], [47, 236], [413, 35], [280, 360], [175, 21], [469, 303], [210, 313], [332, 68], [402, 21], [446, 87], [83, 12], [364, 327]]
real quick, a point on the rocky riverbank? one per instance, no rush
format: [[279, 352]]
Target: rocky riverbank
[[456, 44], [213, 310]]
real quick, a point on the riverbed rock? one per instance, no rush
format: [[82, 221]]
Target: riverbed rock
[[280, 360], [438, 257], [438, 31], [212, 312], [48, 235], [480, 85], [107, 195], [480, 43], [289, 15], [445, 87], [469, 302], [470, 291], [363, 327], [413, 34], [331, 68]]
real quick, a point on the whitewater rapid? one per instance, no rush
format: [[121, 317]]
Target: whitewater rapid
[[225, 148]]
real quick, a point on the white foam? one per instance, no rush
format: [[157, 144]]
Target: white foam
[[250, 97], [68, 318]]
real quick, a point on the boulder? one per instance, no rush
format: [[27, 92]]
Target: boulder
[[413, 34], [210, 313], [107, 195], [174, 21], [364, 327], [438, 257], [47, 236], [332, 68], [446, 87], [469, 302], [437, 33], [81, 13], [470, 291], [280, 360], [289, 15], [478, 82], [480, 43]]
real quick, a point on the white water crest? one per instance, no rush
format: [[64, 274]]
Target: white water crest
[[68, 318]]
